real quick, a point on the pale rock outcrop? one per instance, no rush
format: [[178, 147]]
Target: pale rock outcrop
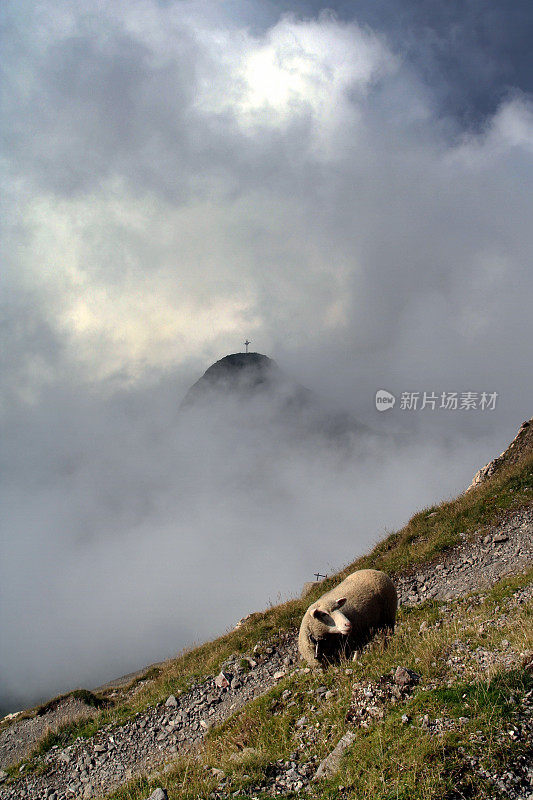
[[521, 446]]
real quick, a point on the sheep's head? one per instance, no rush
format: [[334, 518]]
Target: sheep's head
[[327, 619]]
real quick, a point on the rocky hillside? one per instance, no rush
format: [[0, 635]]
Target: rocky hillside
[[443, 710], [521, 445]]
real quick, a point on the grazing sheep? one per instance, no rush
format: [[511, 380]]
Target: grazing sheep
[[368, 600]]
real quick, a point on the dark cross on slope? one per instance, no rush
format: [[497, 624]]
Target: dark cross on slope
[[318, 575], [246, 344]]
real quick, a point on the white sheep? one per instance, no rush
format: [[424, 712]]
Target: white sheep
[[369, 601]]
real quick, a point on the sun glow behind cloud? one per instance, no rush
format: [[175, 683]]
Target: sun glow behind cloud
[[316, 69]]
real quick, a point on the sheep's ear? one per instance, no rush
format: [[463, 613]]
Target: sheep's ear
[[318, 614], [339, 603]]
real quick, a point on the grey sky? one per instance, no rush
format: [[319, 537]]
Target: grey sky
[[349, 188]]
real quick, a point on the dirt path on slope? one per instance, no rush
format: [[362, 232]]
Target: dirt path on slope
[[477, 563], [91, 767]]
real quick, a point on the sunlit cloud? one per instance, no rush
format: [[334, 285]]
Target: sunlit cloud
[[300, 69]]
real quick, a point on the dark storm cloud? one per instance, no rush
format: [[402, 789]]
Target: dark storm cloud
[[471, 55]]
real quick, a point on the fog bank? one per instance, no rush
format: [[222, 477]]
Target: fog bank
[[136, 530]]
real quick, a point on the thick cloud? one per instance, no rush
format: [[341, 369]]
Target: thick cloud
[[469, 55], [178, 180], [177, 177], [134, 530]]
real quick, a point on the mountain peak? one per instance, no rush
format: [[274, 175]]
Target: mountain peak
[[237, 372], [240, 361], [254, 376]]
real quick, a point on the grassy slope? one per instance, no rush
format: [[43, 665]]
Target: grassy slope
[[427, 534], [421, 540], [388, 759]]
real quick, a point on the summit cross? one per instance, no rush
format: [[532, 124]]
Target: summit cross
[[246, 344]]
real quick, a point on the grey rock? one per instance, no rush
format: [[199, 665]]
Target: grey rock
[[171, 702], [158, 794], [330, 765], [500, 538], [291, 773], [222, 681], [406, 677]]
